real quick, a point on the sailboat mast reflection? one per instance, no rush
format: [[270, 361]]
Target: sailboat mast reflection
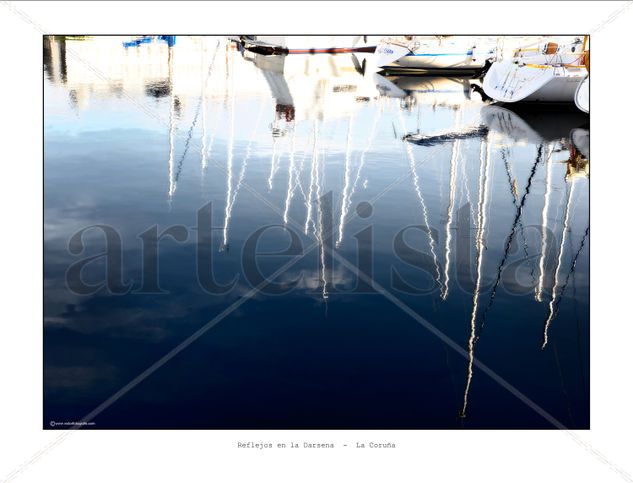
[[204, 151], [292, 177], [361, 163], [451, 203], [203, 94], [548, 193], [346, 182], [418, 191], [561, 249], [324, 230], [315, 154], [232, 197], [172, 127], [484, 156], [571, 271], [322, 226], [229, 158], [274, 163]]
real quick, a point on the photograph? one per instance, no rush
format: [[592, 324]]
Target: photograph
[[316, 232], [315, 241]]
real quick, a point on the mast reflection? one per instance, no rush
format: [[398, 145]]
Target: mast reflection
[[479, 243]]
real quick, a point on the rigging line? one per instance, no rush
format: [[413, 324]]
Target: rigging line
[[506, 250], [187, 142], [505, 157]]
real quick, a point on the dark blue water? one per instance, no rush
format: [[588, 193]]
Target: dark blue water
[[470, 246]]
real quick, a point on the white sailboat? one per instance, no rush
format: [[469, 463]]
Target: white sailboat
[[436, 53], [547, 73]]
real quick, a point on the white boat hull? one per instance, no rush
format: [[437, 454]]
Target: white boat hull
[[509, 82], [582, 95], [432, 56]]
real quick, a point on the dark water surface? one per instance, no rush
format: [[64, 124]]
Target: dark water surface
[[477, 222]]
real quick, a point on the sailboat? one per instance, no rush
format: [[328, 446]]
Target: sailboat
[[446, 54], [551, 72]]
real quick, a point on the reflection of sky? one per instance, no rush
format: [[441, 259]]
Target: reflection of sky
[[107, 161]]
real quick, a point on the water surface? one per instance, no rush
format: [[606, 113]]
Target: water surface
[[477, 222]]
